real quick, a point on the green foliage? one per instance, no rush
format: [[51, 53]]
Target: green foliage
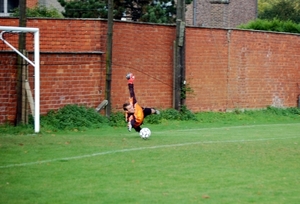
[[270, 114], [84, 9], [21, 129], [188, 1], [163, 11], [186, 89], [186, 114], [155, 14], [153, 119], [117, 119], [39, 11], [73, 117], [170, 114], [98, 8], [282, 111], [78, 118], [272, 25], [158, 12], [183, 114], [284, 10]]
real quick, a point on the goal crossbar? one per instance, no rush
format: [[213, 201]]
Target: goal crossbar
[[35, 64]]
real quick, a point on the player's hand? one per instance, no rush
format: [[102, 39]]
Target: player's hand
[[130, 77], [129, 126]]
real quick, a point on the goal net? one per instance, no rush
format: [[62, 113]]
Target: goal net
[[35, 63]]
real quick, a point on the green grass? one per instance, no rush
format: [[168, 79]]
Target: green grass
[[221, 158]]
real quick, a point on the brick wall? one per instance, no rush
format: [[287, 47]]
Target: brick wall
[[226, 69], [7, 87], [147, 51], [73, 68], [64, 35], [206, 69], [233, 69]]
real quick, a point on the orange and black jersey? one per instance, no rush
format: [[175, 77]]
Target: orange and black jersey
[[137, 117]]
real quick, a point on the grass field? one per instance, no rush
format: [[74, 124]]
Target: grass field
[[182, 162]]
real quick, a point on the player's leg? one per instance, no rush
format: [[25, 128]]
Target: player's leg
[[138, 128], [155, 111], [149, 111]]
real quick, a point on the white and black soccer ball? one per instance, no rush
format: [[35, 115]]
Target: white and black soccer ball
[[145, 133]]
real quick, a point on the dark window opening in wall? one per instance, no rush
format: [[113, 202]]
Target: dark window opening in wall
[[11, 5], [219, 1], [1, 6], [8, 6]]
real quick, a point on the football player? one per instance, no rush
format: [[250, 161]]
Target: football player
[[134, 113]]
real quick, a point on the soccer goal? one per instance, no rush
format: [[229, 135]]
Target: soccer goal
[[35, 63]]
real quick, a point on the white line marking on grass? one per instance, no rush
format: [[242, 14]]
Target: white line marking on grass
[[141, 148], [219, 128]]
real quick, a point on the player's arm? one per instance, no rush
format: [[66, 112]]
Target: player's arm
[[131, 78], [132, 95], [130, 122]]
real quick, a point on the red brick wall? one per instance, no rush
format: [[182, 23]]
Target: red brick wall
[[264, 69], [71, 73], [226, 69], [145, 50], [7, 87], [65, 35], [233, 69], [68, 77], [206, 68]]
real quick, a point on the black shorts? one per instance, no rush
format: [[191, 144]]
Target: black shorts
[[147, 111]]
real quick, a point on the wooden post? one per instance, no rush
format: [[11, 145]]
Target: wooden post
[[109, 57], [29, 97], [179, 72], [24, 98], [22, 46]]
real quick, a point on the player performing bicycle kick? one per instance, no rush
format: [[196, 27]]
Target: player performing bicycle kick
[[134, 113]]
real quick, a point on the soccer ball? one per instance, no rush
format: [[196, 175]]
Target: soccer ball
[[145, 133]]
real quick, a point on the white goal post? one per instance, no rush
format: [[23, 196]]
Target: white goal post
[[35, 64]]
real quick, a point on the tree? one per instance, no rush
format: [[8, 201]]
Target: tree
[[280, 9], [135, 9], [84, 8], [158, 12], [272, 25], [39, 11], [265, 4], [162, 11]]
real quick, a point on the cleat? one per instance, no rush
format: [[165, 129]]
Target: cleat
[[157, 112]]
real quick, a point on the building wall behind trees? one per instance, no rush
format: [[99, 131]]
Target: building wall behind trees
[[32, 3], [225, 68], [221, 13]]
